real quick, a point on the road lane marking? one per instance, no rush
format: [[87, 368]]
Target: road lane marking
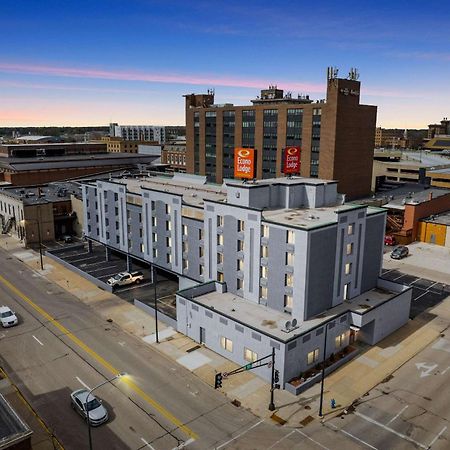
[[437, 437], [403, 436], [239, 435], [147, 443], [397, 415], [69, 335], [83, 383], [311, 439], [280, 440], [184, 444], [36, 339], [353, 436]]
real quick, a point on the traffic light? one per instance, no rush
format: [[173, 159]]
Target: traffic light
[[276, 377], [218, 381]]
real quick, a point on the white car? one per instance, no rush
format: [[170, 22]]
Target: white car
[[124, 278], [8, 317], [97, 412]]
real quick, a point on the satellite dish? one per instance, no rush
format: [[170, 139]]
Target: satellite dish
[[294, 323], [288, 325]]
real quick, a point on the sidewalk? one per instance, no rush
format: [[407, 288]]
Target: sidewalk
[[345, 385]]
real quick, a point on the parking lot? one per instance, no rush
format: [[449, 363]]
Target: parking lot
[[426, 293], [95, 264]]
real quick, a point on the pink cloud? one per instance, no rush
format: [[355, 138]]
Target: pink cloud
[[154, 77]]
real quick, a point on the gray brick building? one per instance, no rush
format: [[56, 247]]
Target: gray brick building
[[261, 265]]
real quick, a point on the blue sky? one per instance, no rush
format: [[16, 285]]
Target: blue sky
[[91, 62]]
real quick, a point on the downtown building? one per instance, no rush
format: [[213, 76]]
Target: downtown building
[[155, 133], [336, 135], [270, 264]]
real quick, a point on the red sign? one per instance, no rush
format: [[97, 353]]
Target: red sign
[[244, 163], [291, 160]]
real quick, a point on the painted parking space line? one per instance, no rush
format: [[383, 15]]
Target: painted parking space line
[[83, 383], [353, 436], [37, 340], [184, 444], [398, 414], [100, 360], [312, 440], [281, 440], [437, 437], [391, 430], [239, 435], [147, 444]]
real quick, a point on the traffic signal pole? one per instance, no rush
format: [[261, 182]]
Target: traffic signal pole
[[272, 387]]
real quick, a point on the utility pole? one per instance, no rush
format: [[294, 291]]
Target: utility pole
[[40, 243], [272, 387], [323, 371], [156, 303]]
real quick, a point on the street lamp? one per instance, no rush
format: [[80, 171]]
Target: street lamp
[[323, 371], [109, 380], [23, 223], [156, 303]]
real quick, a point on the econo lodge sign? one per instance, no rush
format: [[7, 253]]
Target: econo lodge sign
[[244, 163], [291, 160]]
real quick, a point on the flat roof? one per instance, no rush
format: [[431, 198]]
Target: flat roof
[[441, 219], [12, 427], [416, 159], [54, 144], [272, 322]]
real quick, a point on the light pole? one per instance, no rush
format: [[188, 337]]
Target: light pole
[[38, 222], [109, 380], [156, 303], [323, 371]]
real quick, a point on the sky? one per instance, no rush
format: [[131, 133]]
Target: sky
[[131, 61]]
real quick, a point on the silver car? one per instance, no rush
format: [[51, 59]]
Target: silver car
[[97, 412]]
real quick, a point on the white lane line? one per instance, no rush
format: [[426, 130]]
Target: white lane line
[[184, 444], [311, 439], [353, 437], [421, 295], [239, 435], [280, 440], [437, 437], [83, 383], [147, 443], [36, 339], [396, 416], [381, 425]]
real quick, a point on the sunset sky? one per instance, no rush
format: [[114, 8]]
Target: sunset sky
[[130, 61]]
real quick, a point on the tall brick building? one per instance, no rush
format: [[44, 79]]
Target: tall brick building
[[336, 135]]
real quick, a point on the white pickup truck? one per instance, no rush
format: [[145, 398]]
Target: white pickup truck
[[124, 278]]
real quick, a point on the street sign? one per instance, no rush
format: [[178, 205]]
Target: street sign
[[248, 366]]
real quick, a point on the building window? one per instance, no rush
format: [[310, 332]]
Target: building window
[[240, 246], [240, 264], [349, 249], [263, 292], [185, 264], [219, 258], [169, 258], [264, 272], [155, 253], [241, 225], [220, 239], [185, 230], [226, 344], [313, 356], [289, 280], [168, 225], [154, 237], [346, 291], [200, 234], [350, 229], [339, 340], [142, 248], [220, 276], [185, 247], [264, 231], [169, 241], [200, 252], [201, 269], [250, 355], [220, 221], [153, 205], [153, 221], [288, 301], [290, 239], [348, 268], [264, 251], [289, 259], [168, 209], [239, 284]]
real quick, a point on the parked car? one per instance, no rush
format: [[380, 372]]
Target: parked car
[[98, 414], [400, 252], [124, 278], [8, 317], [67, 239], [389, 240]]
